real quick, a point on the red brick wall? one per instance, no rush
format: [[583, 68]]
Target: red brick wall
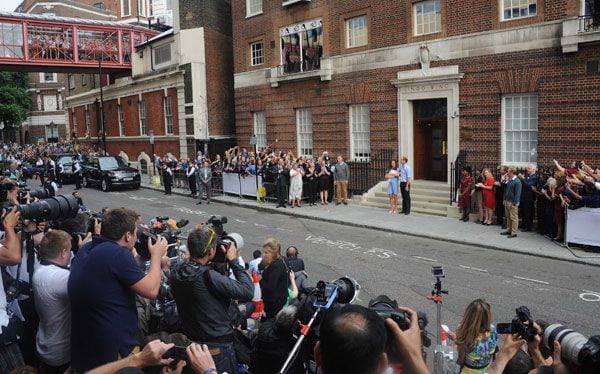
[[155, 120], [219, 83], [390, 23], [568, 119]]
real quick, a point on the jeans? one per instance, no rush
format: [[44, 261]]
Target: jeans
[[226, 359]]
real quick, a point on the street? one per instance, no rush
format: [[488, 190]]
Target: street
[[396, 265]]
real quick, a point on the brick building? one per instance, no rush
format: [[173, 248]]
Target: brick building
[[180, 90], [500, 81]]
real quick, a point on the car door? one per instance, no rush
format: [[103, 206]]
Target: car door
[[93, 172]]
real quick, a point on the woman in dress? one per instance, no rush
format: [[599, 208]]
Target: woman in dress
[[464, 199], [311, 181], [489, 197], [296, 184], [475, 338], [275, 278], [324, 176], [393, 179]]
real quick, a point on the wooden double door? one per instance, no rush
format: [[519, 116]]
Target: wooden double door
[[430, 129]]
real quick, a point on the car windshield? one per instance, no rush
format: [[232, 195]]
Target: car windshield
[[65, 159], [111, 163]]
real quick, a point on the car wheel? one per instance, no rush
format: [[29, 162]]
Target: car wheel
[[136, 186], [104, 185], [85, 182]]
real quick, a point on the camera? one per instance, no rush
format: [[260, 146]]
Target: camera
[[165, 227], [223, 238], [388, 308], [522, 325], [438, 272], [576, 349], [58, 207], [343, 291], [14, 288], [92, 220]]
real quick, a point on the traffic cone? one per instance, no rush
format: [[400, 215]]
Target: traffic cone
[[259, 306], [444, 342]]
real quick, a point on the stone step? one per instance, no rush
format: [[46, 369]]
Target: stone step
[[414, 209], [384, 201], [420, 197]]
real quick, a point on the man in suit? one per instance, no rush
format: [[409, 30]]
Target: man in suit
[[204, 182], [282, 177], [167, 175]]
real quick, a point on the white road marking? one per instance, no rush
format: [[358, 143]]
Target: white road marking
[[472, 268], [591, 296], [425, 259], [529, 279]]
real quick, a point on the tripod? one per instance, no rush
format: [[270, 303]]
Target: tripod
[[440, 365]]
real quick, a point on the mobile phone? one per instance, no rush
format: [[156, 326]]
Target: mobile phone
[[177, 353], [504, 328]]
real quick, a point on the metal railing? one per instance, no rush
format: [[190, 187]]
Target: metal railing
[[364, 175], [589, 23]]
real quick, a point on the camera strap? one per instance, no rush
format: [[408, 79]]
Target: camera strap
[[30, 257]]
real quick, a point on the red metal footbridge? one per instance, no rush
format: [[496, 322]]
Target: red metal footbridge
[[31, 42]]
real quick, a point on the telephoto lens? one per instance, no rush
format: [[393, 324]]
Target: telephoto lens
[[571, 342], [59, 207]]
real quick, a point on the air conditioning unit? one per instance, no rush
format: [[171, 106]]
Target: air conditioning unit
[[290, 2]]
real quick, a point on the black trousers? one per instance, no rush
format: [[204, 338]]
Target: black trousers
[[78, 179], [312, 190], [281, 192], [192, 183], [405, 198], [528, 211], [500, 209], [168, 189]]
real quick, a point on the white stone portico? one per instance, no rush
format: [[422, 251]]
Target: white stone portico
[[423, 84]]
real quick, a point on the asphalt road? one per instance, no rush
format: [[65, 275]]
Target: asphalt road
[[397, 265]]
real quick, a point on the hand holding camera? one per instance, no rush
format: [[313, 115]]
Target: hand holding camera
[[230, 251], [11, 218], [159, 248], [408, 342]]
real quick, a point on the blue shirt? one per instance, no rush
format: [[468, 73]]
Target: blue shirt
[[404, 173], [104, 315]]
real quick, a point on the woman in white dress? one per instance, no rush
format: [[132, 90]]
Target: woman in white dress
[[296, 184]]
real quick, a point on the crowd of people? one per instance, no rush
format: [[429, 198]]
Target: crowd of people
[[517, 200]]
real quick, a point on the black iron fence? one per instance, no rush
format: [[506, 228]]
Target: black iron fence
[[366, 174]]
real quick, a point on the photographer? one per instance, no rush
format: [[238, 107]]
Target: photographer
[[52, 302], [204, 296], [10, 254], [353, 338], [104, 280], [275, 279]]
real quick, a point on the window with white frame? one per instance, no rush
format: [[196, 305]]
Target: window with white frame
[[520, 125], [72, 81], [52, 133], [253, 7], [121, 120], [87, 123], [141, 8], [162, 55], [304, 132], [125, 8], [142, 112], [512, 9], [257, 53], [428, 17], [75, 123], [302, 46], [356, 32], [260, 130], [48, 78], [360, 132], [168, 114]]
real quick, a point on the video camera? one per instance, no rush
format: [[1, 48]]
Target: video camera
[[343, 291], [576, 349], [223, 238], [522, 325]]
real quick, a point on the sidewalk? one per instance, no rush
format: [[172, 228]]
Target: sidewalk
[[419, 225]]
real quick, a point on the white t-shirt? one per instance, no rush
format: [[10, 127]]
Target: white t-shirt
[[53, 339]]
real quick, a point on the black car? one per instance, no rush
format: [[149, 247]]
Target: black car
[[65, 159], [108, 172]]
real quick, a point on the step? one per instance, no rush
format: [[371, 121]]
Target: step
[[413, 209], [445, 199], [384, 201]]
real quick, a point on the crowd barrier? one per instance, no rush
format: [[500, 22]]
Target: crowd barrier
[[582, 226], [234, 183]]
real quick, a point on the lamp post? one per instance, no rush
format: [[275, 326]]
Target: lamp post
[[102, 104], [253, 142], [151, 132]]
